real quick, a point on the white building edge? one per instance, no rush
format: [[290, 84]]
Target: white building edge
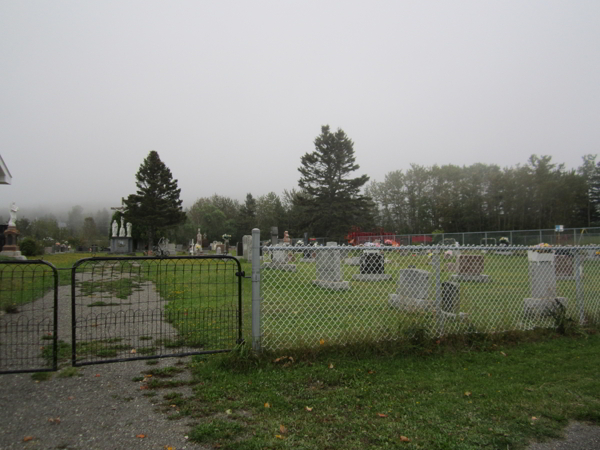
[[5, 176]]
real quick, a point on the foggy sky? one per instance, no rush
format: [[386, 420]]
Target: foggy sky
[[231, 94]]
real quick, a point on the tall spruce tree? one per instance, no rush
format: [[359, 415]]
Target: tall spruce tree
[[156, 205], [331, 199]]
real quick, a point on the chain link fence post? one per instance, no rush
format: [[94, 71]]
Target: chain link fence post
[[579, 294], [438, 291], [256, 330]]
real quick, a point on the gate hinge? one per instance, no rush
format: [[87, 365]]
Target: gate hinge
[[240, 274]]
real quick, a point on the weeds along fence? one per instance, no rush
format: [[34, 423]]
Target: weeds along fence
[[311, 296]]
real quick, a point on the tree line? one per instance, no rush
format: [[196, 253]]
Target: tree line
[[329, 201], [481, 197]]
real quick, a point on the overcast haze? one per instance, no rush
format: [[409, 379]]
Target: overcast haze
[[232, 94]]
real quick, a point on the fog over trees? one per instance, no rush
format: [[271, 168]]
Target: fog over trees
[[540, 193]]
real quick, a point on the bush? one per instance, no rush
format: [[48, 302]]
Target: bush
[[30, 247]]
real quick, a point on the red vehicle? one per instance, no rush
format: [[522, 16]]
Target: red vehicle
[[358, 237]]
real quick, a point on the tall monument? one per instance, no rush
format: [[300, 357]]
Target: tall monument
[[11, 247]]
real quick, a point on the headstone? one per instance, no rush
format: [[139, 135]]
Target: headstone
[[286, 238], [544, 301], [450, 297], [412, 291], [329, 268], [372, 267], [564, 267], [247, 244], [279, 259], [219, 249], [542, 277], [239, 250], [274, 236], [470, 268]]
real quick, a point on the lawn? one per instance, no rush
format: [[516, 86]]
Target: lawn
[[202, 299], [296, 312], [454, 393]]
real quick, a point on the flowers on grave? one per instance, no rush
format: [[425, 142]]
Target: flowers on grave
[[198, 247], [226, 237], [542, 248], [504, 241]]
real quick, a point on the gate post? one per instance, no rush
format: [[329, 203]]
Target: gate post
[[256, 331]]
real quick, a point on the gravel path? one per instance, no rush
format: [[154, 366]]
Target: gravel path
[[101, 409]]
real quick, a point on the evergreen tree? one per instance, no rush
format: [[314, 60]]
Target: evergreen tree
[[332, 200], [156, 205], [247, 216]]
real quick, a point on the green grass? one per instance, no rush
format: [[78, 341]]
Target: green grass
[[298, 313], [440, 396]]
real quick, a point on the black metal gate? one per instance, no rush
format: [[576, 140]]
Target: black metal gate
[[28, 316], [147, 307]]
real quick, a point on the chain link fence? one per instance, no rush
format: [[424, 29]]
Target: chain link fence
[[569, 236], [342, 294]]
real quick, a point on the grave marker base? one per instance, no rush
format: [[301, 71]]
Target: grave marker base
[[476, 278], [371, 277]]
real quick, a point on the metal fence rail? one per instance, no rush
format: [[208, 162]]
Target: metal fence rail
[[145, 307], [28, 316], [340, 294]]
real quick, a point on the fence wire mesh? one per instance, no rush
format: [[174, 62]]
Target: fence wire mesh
[[343, 294], [136, 308], [28, 316]]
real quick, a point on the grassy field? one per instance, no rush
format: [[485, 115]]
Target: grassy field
[[297, 312], [202, 303], [455, 393]]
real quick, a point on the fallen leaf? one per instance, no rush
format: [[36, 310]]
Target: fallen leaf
[[27, 438], [322, 342], [308, 408], [227, 411], [70, 398], [382, 415], [97, 374], [404, 439], [467, 394], [133, 350], [331, 365], [143, 387], [278, 436], [283, 429], [503, 354], [141, 436], [371, 372], [267, 405], [168, 447], [54, 420], [534, 418]]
